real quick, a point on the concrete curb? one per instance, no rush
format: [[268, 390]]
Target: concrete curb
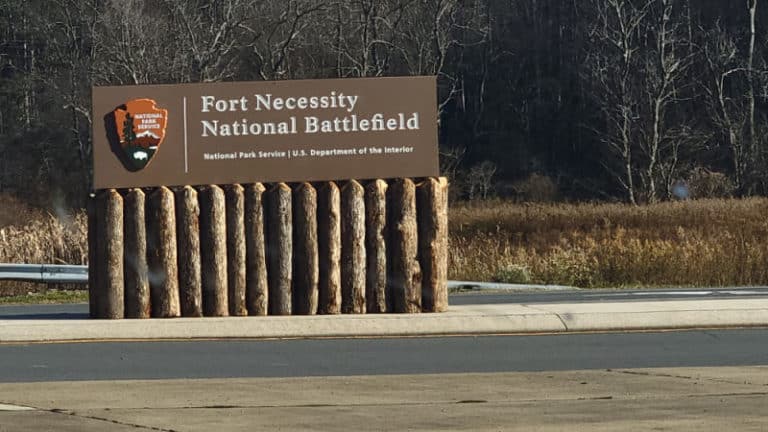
[[460, 320]]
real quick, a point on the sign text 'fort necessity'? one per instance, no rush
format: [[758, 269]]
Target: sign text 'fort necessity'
[[244, 132]]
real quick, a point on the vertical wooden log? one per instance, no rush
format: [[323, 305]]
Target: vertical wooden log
[[236, 250], [137, 304], [279, 249], [188, 238], [353, 261], [93, 264], [305, 252], [161, 254], [432, 202], [329, 248], [213, 251], [257, 289], [376, 246], [109, 258], [404, 277]]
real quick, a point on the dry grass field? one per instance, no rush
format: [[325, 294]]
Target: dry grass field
[[693, 243]]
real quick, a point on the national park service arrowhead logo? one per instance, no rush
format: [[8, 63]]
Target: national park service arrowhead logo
[[135, 131]]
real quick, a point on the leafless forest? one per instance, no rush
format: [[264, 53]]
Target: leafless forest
[[623, 100]]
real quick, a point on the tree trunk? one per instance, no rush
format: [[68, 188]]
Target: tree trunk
[[353, 248], [376, 246], [213, 251], [257, 289], [109, 256], [432, 213], [236, 250], [188, 233], [137, 304], [404, 278], [305, 252], [279, 249], [161, 254], [329, 248], [753, 150]]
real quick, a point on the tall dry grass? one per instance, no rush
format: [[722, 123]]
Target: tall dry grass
[[693, 243], [32, 236]]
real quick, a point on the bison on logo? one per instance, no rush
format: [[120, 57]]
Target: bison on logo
[[135, 131]]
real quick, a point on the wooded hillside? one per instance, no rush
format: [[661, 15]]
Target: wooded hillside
[[631, 100]]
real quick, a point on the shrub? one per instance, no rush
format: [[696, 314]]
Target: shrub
[[513, 274], [536, 188], [703, 183]]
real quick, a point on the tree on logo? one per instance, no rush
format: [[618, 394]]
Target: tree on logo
[[129, 136]]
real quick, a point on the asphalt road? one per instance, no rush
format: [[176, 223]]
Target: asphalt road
[[80, 311], [342, 357]]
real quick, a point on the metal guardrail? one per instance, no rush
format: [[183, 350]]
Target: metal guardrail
[[45, 273], [78, 274]]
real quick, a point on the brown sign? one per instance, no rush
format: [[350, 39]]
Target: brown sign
[[287, 131]]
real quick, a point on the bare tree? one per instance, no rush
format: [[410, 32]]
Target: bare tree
[[665, 66], [612, 66]]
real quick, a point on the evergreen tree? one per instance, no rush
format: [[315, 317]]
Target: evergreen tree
[[129, 136]]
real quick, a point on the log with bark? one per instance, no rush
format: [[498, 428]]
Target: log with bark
[[329, 247], [213, 251], [162, 259], [279, 249], [136, 271], [257, 289], [188, 240], [353, 261]]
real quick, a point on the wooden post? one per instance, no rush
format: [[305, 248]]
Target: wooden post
[[329, 248], [279, 249], [213, 251], [137, 304], [109, 256], [236, 250], [188, 237], [161, 254], [93, 263], [353, 261], [432, 200], [305, 252], [257, 290], [376, 246], [404, 278]]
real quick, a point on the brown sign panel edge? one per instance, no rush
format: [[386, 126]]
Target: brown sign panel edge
[[264, 131]]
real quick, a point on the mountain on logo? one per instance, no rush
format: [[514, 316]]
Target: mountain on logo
[[147, 134], [136, 131]]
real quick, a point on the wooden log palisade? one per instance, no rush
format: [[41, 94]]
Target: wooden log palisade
[[351, 247]]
